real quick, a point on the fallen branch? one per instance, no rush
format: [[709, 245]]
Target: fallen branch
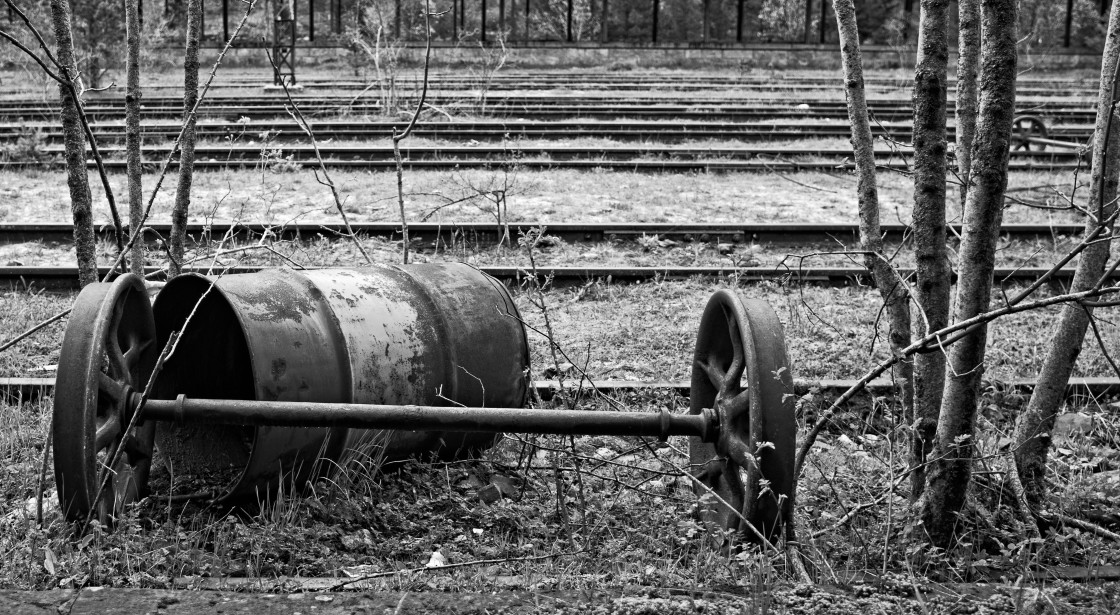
[[478, 562]]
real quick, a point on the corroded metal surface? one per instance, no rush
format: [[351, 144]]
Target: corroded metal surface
[[740, 369], [108, 351], [430, 334]]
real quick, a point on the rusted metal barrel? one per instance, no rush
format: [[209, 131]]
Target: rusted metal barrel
[[427, 334]]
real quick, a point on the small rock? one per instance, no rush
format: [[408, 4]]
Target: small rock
[[474, 481], [490, 494], [552, 371], [358, 540], [13, 264], [505, 487], [725, 248], [1070, 425]]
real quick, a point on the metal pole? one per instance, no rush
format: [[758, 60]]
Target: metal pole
[[225, 19], [569, 21], [1069, 21], [431, 418], [527, 20], [501, 17], [310, 20], [454, 20], [656, 6], [739, 23], [482, 29], [824, 15]]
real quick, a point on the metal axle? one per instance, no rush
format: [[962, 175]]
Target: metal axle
[[434, 418]]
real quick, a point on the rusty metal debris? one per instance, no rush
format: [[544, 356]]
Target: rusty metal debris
[[277, 375]]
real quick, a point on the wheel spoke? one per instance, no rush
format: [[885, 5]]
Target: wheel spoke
[[118, 365], [738, 361], [738, 405], [715, 374], [137, 447], [132, 355], [113, 389], [736, 492], [106, 434]]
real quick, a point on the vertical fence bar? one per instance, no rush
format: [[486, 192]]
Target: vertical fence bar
[[1069, 22], [739, 23], [824, 21], [656, 7], [570, 20]]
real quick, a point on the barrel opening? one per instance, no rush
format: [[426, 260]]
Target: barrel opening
[[211, 361]]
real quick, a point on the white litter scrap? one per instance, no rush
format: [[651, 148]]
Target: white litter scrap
[[437, 560]]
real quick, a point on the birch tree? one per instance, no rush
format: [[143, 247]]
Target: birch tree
[[932, 287], [186, 156], [950, 463], [968, 65], [77, 177], [132, 131], [1032, 430], [887, 280]]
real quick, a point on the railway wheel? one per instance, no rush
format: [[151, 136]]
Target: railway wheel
[[741, 370], [108, 352], [1026, 128]]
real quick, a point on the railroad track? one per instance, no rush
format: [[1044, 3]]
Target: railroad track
[[498, 130], [66, 278], [32, 388], [488, 233], [548, 108], [646, 157], [519, 80]]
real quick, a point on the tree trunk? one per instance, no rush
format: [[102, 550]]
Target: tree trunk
[[604, 16], [930, 146], [950, 465], [886, 278], [186, 155], [132, 131], [1032, 430], [77, 177], [968, 63]]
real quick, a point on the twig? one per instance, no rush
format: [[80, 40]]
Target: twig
[[301, 121], [186, 120], [944, 337], [33, 330], [398, 137], [43, 476]]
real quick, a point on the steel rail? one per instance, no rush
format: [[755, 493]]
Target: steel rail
[[28, 388], [65, 278], [342, 151], [498, 130], [484, 233]]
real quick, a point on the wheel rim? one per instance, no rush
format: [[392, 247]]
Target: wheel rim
[[108, 352], [740, 367]]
